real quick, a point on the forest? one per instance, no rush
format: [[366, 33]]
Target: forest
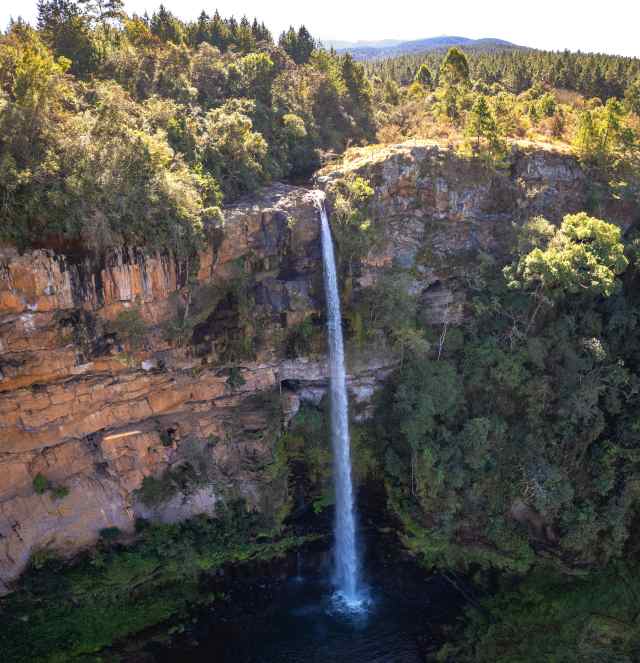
[[133, 130], [128, 130], [124, 130]]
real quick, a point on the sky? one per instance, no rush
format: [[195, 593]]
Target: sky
[[609, 26]]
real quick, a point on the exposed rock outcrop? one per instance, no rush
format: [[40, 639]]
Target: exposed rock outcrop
[[97, 412], [438, 211]]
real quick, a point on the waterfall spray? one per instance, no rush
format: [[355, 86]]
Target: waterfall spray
[[347, 565]]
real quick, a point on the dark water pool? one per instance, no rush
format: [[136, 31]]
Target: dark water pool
[[300, 625]]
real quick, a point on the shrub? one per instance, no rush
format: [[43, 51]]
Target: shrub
[[40, 484], [110, 533], [166, 437], [178, 330], [235, 379], [299, 339], [355, 234], [130, 327], [59, 492], [156, 490]]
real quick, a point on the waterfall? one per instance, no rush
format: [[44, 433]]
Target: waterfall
[[347, 567]]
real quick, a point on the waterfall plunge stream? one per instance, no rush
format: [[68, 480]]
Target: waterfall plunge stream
[[347, 564]]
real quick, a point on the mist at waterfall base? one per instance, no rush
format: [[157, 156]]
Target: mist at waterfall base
[[295, 623]]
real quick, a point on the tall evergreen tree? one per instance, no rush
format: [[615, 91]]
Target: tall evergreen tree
[[423, 76]]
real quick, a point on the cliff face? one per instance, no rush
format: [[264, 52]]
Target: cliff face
[[96, 414], [96, 400], [438, 212]]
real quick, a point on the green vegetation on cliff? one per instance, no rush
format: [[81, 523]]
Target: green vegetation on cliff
[[68, 610], [554, 617], [478, 101], [130, 130], [519, 436]]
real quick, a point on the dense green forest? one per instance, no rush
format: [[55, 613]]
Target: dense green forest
[[511, 443], [516, 70], [118, 129], [122, 129]]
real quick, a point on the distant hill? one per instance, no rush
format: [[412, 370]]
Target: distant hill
[[390, 48], [349, 45]]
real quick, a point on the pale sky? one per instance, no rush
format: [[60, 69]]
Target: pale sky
[[609, 26]]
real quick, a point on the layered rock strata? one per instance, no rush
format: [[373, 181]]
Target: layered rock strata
[[104, 385]]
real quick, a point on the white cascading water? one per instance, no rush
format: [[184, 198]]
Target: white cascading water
[[347, 566]]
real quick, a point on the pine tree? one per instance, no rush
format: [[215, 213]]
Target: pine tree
[[67, 31], [455, 67], [103, 11], [423, 76], [219, 32], [289, 42], [305, 46], [202, 32], [632, 97]]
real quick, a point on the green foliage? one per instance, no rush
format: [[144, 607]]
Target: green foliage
[[489, 96], [387, 311], [423, 76], [547, 105], [110, 534], [184, 477], [66, 29], [95, 175], [65, 611], [632, 96], [602, 136], [178, 330], [353, 229], [201, 302], [520, 435], [553, 618], [235, 379], [42, 558], [454, 69], [40, 484], [299, 341], [481, 126], [585, 255], [59, 492], [157, 490], [232, 151], [130, 327], [453, 84], [166, 438], [589, 74], [166, 26], [307, 446], [358, 95], [299, 45], [120, 131]]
